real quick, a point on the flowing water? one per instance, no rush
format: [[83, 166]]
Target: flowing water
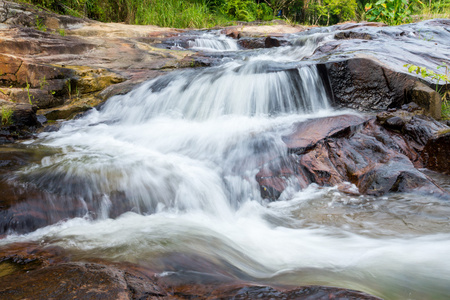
[[181, 153]]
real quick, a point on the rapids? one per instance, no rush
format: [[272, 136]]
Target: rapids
[[182, 151]]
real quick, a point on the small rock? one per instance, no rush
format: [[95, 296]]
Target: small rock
[[271, 42], [231, 33]]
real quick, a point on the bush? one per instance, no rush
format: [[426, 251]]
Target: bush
[[328, 12], [392, 12]]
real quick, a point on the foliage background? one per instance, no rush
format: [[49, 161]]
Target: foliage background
[[210, 13]]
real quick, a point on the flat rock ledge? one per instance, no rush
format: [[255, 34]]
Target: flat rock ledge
[[28, 271]]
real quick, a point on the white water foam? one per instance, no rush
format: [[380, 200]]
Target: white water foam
[[213, 41]]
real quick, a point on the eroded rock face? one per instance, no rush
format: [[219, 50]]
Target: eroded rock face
[[367, 85], [351, 148], [62, 65], [364, 85]]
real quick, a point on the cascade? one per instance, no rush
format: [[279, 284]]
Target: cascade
[[170, 168], [213, 41]]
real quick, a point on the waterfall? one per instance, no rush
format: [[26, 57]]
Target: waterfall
[[191, 140], [213, 41], [170, 168]]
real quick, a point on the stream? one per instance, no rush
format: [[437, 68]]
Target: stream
[[168, 170]]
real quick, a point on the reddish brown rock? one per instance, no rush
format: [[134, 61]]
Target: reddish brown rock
[[232, 33], [436, 153], [309, 133], [350, 148], [271, 42], [9, 66], [28, 271], [251, 43]]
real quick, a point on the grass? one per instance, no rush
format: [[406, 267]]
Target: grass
[[6, 118], [175, 13], [435, 9], [165, 13], [445, 110]]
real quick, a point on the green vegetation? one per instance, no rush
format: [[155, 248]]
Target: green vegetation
[[27, 88], [42, 82], [442, 84], [328, 12], [392, 12], [210, 13], [6, 119], [40, 25]]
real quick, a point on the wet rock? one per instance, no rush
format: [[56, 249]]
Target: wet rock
[[366, 85], [352, 35], [23, 114], [232, 33], [308, 134], [436, 152], [89, 80], [414, 126], [195, 61], [30, 271], [271, 42], [38, 97], [35, 273], [309, 292], [355, 149], [251, 43], [427, 98], [350, 25]]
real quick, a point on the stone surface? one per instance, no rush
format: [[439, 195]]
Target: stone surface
[[355, 149], [271, 42], [367, 85], [436, 152], [232, 33], [427, 98], [24, 113], [352, 35], [251, 43], [28, 271], [70, 59]]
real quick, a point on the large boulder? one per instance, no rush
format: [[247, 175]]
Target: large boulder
[[367, 85]]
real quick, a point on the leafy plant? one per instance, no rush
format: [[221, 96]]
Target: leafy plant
[[27, 88], [42, 82], [69, 88], [40, 25], [6, 119], [62, 32], [443, 90], [242, 10], [391, 12]]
